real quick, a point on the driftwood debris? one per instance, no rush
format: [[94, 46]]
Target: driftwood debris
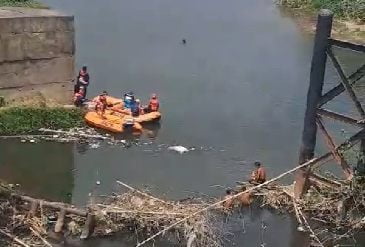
[[13, 238], [187, 222], [133, 210]]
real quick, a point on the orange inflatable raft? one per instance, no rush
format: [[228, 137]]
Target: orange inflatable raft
[[112, 122], [117, 120]]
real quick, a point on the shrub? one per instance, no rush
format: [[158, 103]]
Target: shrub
[[25, 120]]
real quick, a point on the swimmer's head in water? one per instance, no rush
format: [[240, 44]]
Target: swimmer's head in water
[[257, 163]]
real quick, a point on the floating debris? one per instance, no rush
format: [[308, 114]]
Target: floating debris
[[179, 149], [94, 145]]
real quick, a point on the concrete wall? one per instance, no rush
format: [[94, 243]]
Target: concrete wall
[[36, 50]]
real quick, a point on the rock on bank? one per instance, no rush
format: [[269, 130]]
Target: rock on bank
[[37, 48]]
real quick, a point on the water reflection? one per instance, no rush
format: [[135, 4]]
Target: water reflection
[[42, 169]]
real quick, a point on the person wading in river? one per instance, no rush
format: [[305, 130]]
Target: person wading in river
[[258, 176], [229, 203], [246, 198]]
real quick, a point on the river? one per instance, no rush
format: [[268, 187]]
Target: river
[[235, 93]]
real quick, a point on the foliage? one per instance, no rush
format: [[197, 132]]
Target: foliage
[[348, 9], [22, 3], [24, 120]]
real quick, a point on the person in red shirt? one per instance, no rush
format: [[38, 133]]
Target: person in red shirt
[[154, 104], [79, 97]]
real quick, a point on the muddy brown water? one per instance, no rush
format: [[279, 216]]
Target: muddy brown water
[[234, 93]]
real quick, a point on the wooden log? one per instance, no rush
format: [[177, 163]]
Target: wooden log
[[346, 83], [323, 181], [33, 208], [339, 117], [318, 67], [89, 226], [332, 146], [60, 221], [54, 205]]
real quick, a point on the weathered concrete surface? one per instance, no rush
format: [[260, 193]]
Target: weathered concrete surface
[[37, 50]]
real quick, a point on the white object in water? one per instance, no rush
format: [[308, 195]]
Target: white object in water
[[98, 182], [179, 149], [300, 229], [22, 140], [94, 145], [32, 141]]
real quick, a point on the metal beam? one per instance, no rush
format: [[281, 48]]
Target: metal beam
[[318, 68], [346, 83], [339, 117], [347, 45], [349, 142], [332, 147], [355, 77]]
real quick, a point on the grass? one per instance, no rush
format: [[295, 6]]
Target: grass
[[26, 120], [22, 3], [347, 9]]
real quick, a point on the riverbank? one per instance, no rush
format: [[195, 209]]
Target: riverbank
[[27, 120], [348, 22], [22, 3]]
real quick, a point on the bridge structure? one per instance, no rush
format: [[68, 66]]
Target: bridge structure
[[323, 49]]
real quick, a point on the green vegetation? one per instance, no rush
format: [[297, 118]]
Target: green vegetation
[[347, 9], [22, 3], [25, 120]]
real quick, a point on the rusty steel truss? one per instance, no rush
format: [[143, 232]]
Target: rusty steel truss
[[315, 111]]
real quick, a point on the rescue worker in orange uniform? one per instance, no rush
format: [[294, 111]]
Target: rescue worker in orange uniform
[[154, 104], [258, 176], [101, 103]]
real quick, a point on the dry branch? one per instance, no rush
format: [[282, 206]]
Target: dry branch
[[15, 239], [311, 162], [40, 237]]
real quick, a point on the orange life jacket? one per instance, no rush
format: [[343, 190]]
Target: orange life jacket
[[101, 103], [154, 105]]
